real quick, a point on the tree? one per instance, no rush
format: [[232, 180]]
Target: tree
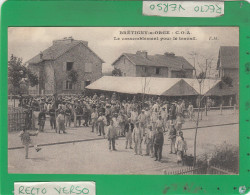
[[201, 72], [116, 72], [19, 76], [227, 80]]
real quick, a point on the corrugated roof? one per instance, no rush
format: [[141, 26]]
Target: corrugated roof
[[170, 61], [147, 85], [228, 57], [160, 86], [56, 50]]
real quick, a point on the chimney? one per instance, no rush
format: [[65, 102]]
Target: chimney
[[41, 55], [142, 53], [65, 40]]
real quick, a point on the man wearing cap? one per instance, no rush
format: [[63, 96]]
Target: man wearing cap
[[138, 137]]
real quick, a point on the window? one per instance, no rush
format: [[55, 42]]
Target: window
[[69, 85], [157, 71], [144, 69], [69, 66]]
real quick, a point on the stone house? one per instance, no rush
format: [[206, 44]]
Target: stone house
[[228, 63], [141, 64], [54, 64]]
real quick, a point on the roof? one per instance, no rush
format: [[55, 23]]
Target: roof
[[222, 89], [174, 62], [147, 85], [228, 57], [56, 50], [206, 86]]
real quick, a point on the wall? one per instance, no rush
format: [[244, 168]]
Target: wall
[[34, 69], [127, 68], [79, 55], [49, 77], [151, 71]]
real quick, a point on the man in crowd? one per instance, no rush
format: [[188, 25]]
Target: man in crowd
[[138, 137], [111, 135], [158, 141]]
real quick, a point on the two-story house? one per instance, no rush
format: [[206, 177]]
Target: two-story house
[[54, 64], [141, 64]]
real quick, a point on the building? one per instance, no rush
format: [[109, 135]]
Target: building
[[141, 64], [54, 64], [228, 67], [228, 63]]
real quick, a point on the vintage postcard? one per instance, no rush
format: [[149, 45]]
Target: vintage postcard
[[123, 100]]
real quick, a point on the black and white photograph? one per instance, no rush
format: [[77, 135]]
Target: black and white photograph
[[123, 100]]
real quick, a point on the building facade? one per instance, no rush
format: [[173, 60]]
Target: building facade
[[228, 64], [141, 64], [54, 65]]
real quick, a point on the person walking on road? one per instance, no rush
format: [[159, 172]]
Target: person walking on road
[[26, 141]]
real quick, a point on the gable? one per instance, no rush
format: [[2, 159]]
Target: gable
[[57, 50]]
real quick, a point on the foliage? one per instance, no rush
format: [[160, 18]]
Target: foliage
[[225, 156], [19, 76], [116, 72], [227, 80], [201, 76], [73, 76]]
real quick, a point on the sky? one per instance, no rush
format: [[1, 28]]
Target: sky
[[26, 42]]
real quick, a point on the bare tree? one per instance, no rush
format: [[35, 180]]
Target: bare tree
[[202, 71]]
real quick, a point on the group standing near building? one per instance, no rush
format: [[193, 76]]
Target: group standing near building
[[139, 122]]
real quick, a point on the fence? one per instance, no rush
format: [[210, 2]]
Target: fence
[[204, 170], [16, 118]]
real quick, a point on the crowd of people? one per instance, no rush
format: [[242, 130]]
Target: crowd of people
[[140, 122]]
